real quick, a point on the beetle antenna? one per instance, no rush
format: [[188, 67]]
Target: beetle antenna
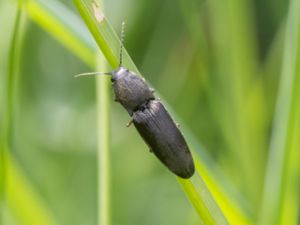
[[122, 42], [92, 74]]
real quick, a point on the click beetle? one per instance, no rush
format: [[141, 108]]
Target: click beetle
[[151, 119]]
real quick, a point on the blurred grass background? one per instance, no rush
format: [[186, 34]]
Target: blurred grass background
[[219, 65]]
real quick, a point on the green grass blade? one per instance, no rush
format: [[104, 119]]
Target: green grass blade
[[103, 86], [103, 113], [55, 18], [203, 201], [280, 202], [6, 117], [19, 197], [231, 208], [22, 200]]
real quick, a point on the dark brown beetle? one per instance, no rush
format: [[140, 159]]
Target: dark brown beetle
[[151, 119]]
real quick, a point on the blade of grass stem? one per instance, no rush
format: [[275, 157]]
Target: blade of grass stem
[[18, 195], [281, 188], [202, 200], [55, 18], [22, 200], [103, 112], [232, 209], [8, 102]]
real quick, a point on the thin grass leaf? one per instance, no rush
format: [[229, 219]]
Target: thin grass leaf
[[23, 203], [103, 86], [22, 200], [201, 198], [280, 202], [104, 117], [232, 209], [55, 18], [111, 45]]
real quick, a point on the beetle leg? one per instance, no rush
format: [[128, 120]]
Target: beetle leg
[[129, 123]]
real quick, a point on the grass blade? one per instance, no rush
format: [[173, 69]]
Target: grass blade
[[203, 201], [230, 207], [19, 197], [104, 118], [51, 16], [103, 108], [22, 200], [280, 185]]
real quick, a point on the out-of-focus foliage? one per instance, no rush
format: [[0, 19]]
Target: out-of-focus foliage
[[217, 63]]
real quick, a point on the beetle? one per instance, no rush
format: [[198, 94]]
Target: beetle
[[151, 119]]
